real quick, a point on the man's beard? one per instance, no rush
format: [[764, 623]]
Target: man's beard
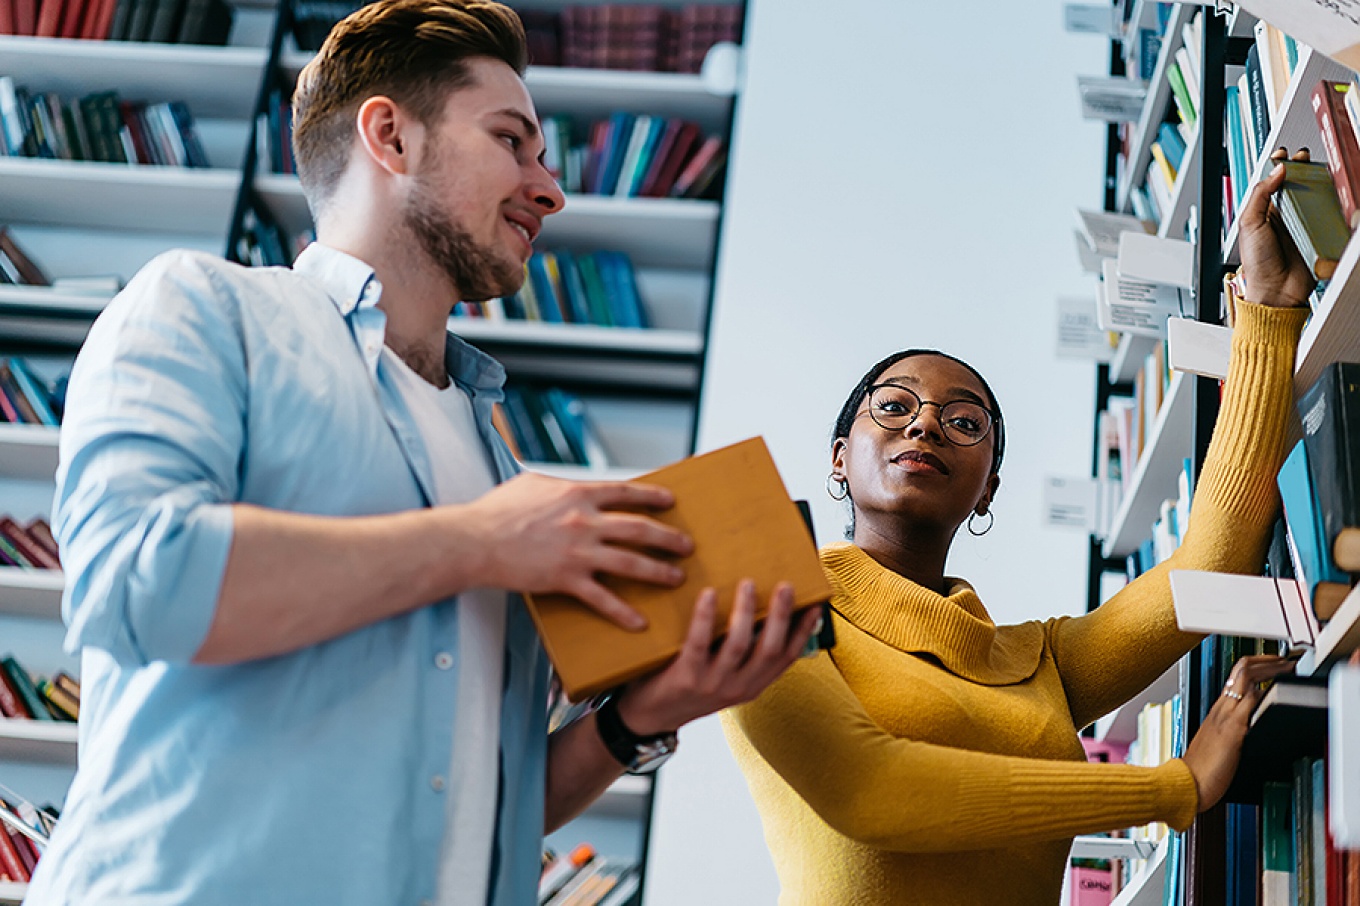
[[477, 272]]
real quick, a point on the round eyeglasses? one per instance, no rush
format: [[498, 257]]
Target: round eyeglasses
[[894, 407]]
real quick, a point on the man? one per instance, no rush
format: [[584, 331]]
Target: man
[[286, 536]]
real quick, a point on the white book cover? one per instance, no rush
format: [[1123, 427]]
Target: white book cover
[[1343, 754], [1254, 606], [1197, 347], [1329, 26], [1154, 259]]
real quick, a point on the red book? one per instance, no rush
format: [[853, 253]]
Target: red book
[[672, 163], [696, 165], [72, 15], [49, 18], [11, 863], [25, 16], [6, 17], [1339, 141], [11, 705], [34, 552], [41, 532]]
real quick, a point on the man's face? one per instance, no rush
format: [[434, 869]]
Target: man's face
[[481, 192]]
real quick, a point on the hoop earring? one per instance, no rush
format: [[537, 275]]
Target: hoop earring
[[844, 486], [978, 533]]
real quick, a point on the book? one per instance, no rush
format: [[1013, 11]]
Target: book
[[1311, 212], [31, 386], [1277, 844], [1329, 412], [1326, 26], [29, 271], [1328, 100], [733, 504], [23, 685], [11, 704], [1325, 585], [32, 551]]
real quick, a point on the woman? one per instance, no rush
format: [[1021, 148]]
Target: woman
[[933, 757]]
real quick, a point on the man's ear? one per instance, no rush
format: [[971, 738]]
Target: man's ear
[[386, 134]]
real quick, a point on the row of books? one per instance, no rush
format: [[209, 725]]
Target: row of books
[[160, 21], [97, 127], [24, 696], [27, 399], [549, 425], [25, 829], [28, 545], [634, 155], [583, 877], [597, 288], [1285, 843]]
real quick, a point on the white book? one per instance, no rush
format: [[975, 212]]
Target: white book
[[1343, 754], [1255, 606]]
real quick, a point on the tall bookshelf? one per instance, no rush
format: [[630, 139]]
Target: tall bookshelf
[[1292, 723], [640, 386]]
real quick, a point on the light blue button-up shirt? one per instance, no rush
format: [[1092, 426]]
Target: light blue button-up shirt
[[314, 777]]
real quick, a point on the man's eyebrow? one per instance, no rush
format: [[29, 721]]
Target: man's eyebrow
[[530, 127]]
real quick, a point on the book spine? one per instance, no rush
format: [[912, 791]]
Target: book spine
[[23, 685], [1328, 100]]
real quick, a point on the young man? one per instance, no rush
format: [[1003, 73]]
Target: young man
[[287, 526]]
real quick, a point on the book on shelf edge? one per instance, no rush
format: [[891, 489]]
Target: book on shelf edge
[[732, 502], [1328, 100], [1311, 212], [1325, 585], [1329, 411]]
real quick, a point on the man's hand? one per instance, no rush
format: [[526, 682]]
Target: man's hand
[[702, 679], [540, 534], [1273, 272]]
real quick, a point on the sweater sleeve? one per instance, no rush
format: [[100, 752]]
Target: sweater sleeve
[[1107, 656], [899, 794]]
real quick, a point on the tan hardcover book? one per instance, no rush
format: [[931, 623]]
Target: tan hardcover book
[[732, 502]]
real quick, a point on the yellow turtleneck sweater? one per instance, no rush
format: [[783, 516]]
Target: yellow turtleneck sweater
[[932, 757]]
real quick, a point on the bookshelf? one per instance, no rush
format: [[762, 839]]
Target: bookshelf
[[1291, 723]]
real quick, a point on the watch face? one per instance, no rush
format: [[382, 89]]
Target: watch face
[[652, 755]]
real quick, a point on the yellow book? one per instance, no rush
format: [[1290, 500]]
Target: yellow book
[[732, 502]]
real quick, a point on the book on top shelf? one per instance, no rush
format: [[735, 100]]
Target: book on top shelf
[[1329, 411], [733, 504], [1339, 141], [1311, 212], [1324, 584]]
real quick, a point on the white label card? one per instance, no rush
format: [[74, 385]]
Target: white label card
[[1070, 503], [1343, 754], [1079, 336], [1254, 606], [1199, 348], [1154, 259]]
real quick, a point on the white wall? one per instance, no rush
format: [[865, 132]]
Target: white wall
[[904, 174]]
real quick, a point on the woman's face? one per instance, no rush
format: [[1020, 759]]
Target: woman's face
[[917, 473]]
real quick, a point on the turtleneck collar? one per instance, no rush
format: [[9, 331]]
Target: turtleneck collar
[[955, 629]]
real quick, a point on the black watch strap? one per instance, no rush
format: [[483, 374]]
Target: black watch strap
[[633, 751]]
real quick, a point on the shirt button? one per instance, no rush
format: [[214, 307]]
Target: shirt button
[[443, 660], [437, 783]]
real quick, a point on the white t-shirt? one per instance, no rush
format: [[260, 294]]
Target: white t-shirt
[[462, 473]]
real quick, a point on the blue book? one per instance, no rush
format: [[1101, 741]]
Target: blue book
[[545, 289], [1239, 164], [616, 146], [1313, 565], [624, 301], [573, 289], [1173, 146], [34, 391]]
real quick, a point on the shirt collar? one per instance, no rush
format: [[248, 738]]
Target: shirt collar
[[352, 285]]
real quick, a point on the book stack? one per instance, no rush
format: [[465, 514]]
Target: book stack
[[585, 878], [634, 155], [25, 398], [1292, 852], [22, 697], [548, 425], [28, 546], [597, 288], [97, 127], [24, 832], [1320, 489], [161, 21], [645, 38]]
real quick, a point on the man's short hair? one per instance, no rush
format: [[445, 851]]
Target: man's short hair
[[412, 51]]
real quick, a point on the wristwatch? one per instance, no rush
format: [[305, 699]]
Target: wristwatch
[[638, 754]]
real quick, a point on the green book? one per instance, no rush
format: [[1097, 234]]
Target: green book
[[1311, 212], [1277, 844], [23, 684], [1180, 93]]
